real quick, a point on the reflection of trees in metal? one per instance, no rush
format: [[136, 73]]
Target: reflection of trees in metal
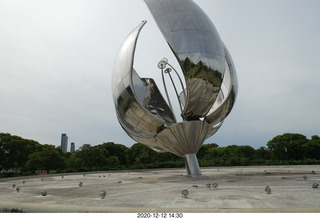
[[210, 80]]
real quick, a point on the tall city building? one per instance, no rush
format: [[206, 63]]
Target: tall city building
[[64, 142], [72, 147]]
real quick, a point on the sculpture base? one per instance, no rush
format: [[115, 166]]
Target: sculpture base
[[192, 165]]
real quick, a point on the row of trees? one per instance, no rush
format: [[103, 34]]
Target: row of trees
[[283, 149], [25, 155]]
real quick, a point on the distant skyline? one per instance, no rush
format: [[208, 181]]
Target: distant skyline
[[56, 60]]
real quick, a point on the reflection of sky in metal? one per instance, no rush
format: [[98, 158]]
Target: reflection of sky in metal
[[206, 66]]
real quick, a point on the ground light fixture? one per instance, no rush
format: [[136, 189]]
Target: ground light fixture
[[102, 194], [185, 193], [43, 193]]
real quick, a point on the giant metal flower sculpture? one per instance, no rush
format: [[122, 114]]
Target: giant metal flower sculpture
[[210, 80]]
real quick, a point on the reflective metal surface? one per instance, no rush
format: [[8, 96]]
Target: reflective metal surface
[[207, 69], [43, 193], [102, 194], [141, 110], [201, 53], [184, 138]]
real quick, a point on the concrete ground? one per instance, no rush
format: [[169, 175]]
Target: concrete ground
[[240, 189]]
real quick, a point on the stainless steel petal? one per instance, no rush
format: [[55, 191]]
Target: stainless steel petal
[[149, 96], [129, 92], [198, 48], [184, 138], [231, 83]]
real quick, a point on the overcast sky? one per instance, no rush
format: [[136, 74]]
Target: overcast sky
[[56, 60]]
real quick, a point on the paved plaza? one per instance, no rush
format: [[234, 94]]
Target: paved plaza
[[237, 189]]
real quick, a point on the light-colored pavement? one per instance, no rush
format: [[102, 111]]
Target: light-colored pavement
[[240, 189]]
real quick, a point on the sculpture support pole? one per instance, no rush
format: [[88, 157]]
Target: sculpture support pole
[[192, 165]]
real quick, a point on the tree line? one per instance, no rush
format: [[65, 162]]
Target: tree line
[[28, 156]]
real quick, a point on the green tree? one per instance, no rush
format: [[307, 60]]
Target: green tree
[[287, 146], [134, 152], [263, 153], [72, 162], [93, 157], [216, 152], [312, 148], [16, 150], [47, 159], [116, 150], [3, 152], [203, 152], [139, 153], [232, 151], [246, 151], [113, 161], [167, 157]]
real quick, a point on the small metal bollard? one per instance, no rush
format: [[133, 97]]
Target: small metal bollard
[[102, 194], [43, 193], [80, 184], [185, 193], [268, 190], [13, 186], [18, 189], [215, 186]]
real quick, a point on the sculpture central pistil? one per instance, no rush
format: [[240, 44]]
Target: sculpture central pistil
[[163, 65]]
